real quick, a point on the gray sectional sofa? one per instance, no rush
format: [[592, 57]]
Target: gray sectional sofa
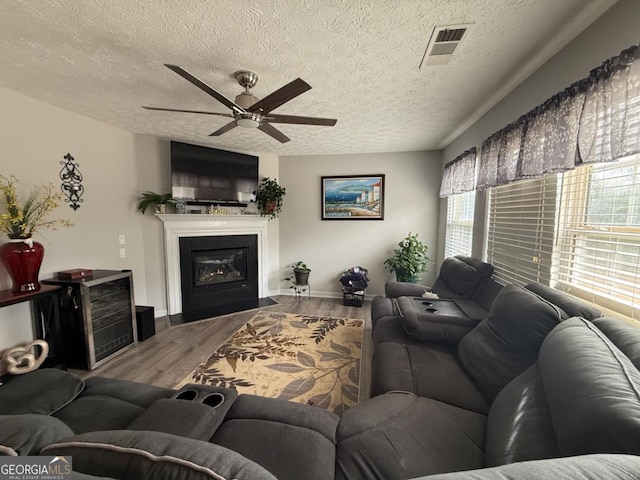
[[530, 391]]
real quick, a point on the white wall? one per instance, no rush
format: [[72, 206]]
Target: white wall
[[614, 31], [35, 136], [412, 183]]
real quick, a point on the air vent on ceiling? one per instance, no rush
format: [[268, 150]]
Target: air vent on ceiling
[[442, 44]]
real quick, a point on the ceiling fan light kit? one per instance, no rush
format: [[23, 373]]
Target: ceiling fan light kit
[[247, 110]]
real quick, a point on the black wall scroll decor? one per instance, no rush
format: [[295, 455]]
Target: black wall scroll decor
[[71, 182]]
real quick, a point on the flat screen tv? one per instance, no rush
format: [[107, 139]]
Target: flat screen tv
[[208, 175]]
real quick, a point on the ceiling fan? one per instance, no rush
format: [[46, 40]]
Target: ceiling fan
[[248, 111]]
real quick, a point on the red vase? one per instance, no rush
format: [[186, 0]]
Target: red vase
[[22, 257]]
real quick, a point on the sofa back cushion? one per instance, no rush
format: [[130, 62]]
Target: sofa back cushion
[[457, 279], [593, 391], [507, 342], [572, 306], [519, 425], [23, 394], [624, 335], [486, 293], [484, 269]]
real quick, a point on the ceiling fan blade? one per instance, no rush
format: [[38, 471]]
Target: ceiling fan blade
[[280, 96], [224, 129], [273, 132], [204, 87], [189, 111], [328, 122]]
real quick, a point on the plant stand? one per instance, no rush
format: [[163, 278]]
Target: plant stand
[[300, 289]]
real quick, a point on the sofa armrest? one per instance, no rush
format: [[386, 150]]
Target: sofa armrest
[[156, 455], [404, 289]]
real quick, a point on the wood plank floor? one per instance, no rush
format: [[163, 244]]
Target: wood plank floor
[[174, 351]]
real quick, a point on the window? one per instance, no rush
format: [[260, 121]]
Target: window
[[520, 230], [597, 253], [459, 232]]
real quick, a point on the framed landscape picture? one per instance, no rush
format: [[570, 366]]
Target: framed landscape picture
[[353, 197]]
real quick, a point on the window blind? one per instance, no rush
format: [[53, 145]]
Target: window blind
[[520, 230], [598, 246], [459, 232]]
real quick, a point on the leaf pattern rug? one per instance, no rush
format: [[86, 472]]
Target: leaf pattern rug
[[302, 358]]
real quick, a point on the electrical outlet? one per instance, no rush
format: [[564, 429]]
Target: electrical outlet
[[121, 239], [123, 253]]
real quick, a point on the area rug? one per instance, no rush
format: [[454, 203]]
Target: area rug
[[302, 358]]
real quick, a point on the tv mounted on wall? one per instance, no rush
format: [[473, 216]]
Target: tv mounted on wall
[[203, 175]]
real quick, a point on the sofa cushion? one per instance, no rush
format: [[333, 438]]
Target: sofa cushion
[[484, 269], [427, 370], [459, 276], [380, 307], [109, 404], [584, 467], [471, 309], [94, 412], [507, 342], [486, 293], [24, 393], [139, 454], [27, 434], [572, 306], [624, 335], [401, 435], [389, 329], [519, 425], [593, 391], [289, 439]]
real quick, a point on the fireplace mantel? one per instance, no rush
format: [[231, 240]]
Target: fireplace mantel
[[203, 225]]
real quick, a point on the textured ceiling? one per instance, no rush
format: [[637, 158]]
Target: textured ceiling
[[104, 59]]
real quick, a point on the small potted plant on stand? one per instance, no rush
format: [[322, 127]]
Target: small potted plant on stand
[[299, 277], [269, 198], [158, 200], [409, 259]]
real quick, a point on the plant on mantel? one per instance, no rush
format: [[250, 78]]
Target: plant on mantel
[[158, 200], [269, 198]]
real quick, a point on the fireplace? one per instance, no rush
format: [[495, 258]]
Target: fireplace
[[179, 226], [219, 274]]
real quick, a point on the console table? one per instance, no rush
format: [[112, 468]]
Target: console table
[[45, 314]]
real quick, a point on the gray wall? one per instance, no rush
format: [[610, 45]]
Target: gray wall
[[412, 183]]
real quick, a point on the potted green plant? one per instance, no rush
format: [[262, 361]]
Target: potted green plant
[[158, 200], [299, 274], [269, 198], [409, 259]]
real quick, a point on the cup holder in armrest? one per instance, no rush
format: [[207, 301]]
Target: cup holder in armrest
[[207, 394], [186, 395], [213, 400], [431, 310], [428, 304]]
